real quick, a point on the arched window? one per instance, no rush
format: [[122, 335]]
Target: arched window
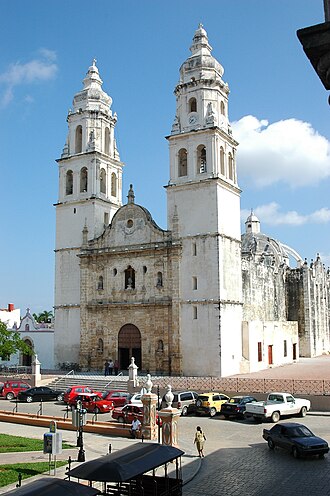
[[160, 345], [159, 283], [129, 278], [222, 108], [201, 159], [83, 180], [27, 327], [69, 183], [230, 166], [100, 283], [222, 161], [182, 162], [192, 105], [103, 178], [78, 142], [100, 346], [113, 184], [107, 141]]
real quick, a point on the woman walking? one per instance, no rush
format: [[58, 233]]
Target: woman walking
[[200, 440]]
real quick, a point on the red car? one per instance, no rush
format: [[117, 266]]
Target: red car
[[10, 389], [93, 403], [126, 414], [119, 398], [74, 390]]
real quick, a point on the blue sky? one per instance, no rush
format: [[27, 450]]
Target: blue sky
[[277, 106]]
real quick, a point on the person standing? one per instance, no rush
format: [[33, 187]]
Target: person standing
[[111, 367], [106, 367], [199, 441], [116, 367], [135, 427]]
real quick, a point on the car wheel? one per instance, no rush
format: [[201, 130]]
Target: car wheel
[[275, 417], [60, 397], [184, 412], [121, 420], [271, 444], [295, 452], [321, 455], [212, 412], [303, 411], [10, 396], [226, 416], [29, 399]]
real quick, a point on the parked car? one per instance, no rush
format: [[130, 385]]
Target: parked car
[[276, 405], [235, 407], [10, 389], [91, 402], [210, 403], [135, 399], [74, 390], [185, 401], [40, 393], [296, 438], [125, 414], [119, 398]]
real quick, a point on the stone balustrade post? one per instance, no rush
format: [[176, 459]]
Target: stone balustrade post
[[170, 421]]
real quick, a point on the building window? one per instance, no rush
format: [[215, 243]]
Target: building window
[[113, 184], [129, 278], [159, 283], [83, 180], [285, 350], [78, 141], [201, 159], [259, 351], [222, 108], [144, 269], [183, 167], [74, 210], [114, 272], [192, 105], [230, 166], [194, 312], [100, 346], [222, 161], [106, 141], [160, 345], [69, 183], [106, 218], [103, 181], [100, 283], [194, 249], [27, 327], [194, 282]]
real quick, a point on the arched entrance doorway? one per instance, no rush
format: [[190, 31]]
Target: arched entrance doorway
[[27, 359], [129, 345]]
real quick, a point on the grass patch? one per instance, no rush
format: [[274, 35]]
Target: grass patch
[[12, 444], [9, 473]]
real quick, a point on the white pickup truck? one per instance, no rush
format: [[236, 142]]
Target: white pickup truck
[[276, 405]]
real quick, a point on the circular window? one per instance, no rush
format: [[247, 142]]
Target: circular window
[[129, 223]]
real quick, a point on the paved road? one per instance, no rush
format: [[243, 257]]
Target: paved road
[[238, 461]]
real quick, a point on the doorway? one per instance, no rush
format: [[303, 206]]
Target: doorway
[[270, 354], [27, 359], [129, 345]]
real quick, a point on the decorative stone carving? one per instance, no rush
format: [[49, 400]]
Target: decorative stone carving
[[169, 396]]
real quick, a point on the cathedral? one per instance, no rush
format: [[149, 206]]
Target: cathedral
[[195, 299]]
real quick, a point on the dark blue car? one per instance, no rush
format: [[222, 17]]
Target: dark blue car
[[296, 438]]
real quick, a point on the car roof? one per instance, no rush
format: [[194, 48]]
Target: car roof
[[291, 424]]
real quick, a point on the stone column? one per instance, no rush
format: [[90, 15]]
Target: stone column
[[149, 400], [36, 376], [170, 418]]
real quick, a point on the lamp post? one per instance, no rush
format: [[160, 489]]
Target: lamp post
[[81, 420]]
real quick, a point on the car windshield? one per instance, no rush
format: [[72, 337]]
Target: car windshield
[[300, 431], [235, 400], [203, 398]]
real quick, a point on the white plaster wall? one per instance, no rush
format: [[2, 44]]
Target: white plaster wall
[[67, 335], [11, 318], [43, 345]]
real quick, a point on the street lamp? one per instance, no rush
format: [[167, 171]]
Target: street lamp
[[79, 420]]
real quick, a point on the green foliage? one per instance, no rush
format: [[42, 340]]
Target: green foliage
[[9, 473], [44, 316], [13, 444], [10, 342]]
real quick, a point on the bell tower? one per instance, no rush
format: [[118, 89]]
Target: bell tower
[[203, 195], [90, 192]]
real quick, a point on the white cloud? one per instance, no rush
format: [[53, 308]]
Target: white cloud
[[37, 70], [288, 151], [271, 214]]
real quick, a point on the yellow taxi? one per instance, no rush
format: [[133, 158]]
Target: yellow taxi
[[210, 403]]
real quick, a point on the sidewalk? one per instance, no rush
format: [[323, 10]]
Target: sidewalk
[[95, 446]]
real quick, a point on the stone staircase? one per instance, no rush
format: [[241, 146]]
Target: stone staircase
[[96, 382]]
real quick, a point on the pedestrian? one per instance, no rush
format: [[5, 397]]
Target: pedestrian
[[116, 367], [111, 364], [106, 367], [200, 440], [135, 427]]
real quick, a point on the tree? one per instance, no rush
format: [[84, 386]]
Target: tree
[[44, 316], [10, 343]]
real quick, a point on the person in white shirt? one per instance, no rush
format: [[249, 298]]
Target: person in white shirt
[[135, 427]]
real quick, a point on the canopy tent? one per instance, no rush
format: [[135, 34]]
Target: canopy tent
[[47, 486], [127, 463]]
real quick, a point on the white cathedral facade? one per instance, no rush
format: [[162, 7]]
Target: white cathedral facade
[[182, 301]]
